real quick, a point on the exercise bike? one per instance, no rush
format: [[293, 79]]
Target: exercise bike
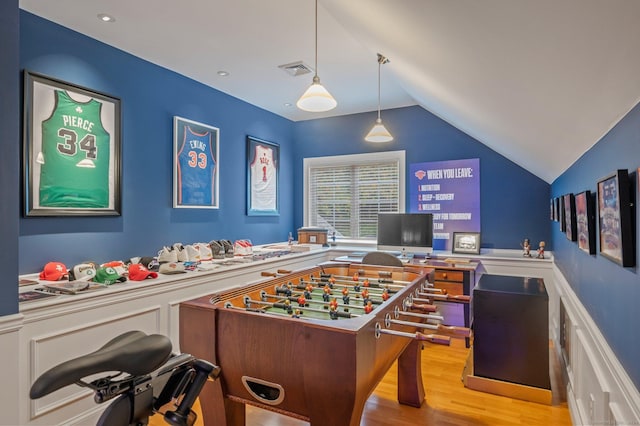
[[147, 377]]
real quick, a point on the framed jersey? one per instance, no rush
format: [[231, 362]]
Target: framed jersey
[[71, 149], [195, 164], [263, 165]]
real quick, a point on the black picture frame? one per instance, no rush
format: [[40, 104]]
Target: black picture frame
[[466, 242], [556, 206], [196, 162], [616, 239], [586, 222], [263, 174], [570, 217], [561, 214], [71, 149]]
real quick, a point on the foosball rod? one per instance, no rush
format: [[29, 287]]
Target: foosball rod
[[422, 316], [433, 338], [449, 330], [380, 280], [317, 302], [229, 305], [302, 308], [372, 283], [338, 286], [461, 298], [378, 297]]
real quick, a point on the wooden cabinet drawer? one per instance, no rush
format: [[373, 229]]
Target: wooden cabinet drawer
[[442, 275], [454, 289]]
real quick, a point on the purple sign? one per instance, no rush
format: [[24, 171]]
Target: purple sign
[[451, 191]]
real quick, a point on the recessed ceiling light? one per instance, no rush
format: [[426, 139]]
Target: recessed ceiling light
[[223, 73], [106, 18]]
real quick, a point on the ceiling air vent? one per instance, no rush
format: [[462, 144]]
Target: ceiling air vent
[[295, 69]]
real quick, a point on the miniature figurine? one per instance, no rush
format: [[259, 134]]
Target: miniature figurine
[[302, 301], [333, 313], [368, 307], [365, 283], [385, 295], [541, 250], [333, 304], [526, 246]]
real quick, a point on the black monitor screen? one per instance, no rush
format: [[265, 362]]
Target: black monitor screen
[[412, 232]]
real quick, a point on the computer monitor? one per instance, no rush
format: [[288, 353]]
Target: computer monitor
[[410, 233]]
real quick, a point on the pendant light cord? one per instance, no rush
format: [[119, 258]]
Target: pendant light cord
[[316, 64]]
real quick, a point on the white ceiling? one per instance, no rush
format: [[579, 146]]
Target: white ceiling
[[539, 81]]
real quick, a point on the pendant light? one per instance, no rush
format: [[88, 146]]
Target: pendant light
[[379, 133], [316, 98]]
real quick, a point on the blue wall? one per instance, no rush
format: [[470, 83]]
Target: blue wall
[[514, 202], [609, 292], [10, 158], [150, 97]]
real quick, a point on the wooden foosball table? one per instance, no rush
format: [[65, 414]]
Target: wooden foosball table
[[313, 344]]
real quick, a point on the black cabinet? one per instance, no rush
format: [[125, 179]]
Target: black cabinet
[[511, 330]]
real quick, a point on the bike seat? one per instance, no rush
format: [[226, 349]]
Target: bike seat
[[134, 353]]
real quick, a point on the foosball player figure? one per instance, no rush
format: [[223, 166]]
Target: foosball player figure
[[333, 305], [356, 277], [326, 293], [541, 250], [385, 295], [365, 296], [309, 288], [307, 294], [368, 307], [296, 313], [287, 287], [333, 313], [365, 282], [356, 287], [302, 302], [332, 281], [287, 304]]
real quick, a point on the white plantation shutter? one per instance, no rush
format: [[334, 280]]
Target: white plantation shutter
[[345, 193]]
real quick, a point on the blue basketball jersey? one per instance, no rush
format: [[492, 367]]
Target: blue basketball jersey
[[196, 169]]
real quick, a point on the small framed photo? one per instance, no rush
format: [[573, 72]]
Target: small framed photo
[[71, 155], [263, 166], [585, 222], [195, 164], [614, 219], [466, 242], [570, 217]]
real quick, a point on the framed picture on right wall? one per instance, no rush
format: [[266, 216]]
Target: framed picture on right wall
[[614, 218]]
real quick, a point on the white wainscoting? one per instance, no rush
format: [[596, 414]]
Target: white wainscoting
[[599, 391]]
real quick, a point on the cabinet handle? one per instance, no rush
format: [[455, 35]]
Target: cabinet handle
[[444, 275]]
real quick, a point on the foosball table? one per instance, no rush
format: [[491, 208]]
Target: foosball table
[[313, 344]]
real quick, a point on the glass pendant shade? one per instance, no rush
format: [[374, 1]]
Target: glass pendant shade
[[316, 98], [378, 133]]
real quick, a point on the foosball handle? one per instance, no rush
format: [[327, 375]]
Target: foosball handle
[[423, 307], [268, 274], [454, 331], [461, 298], [434, 338], [283, 271], [204, 369]]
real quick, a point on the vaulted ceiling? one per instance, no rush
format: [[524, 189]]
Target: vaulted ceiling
[[539, 81]]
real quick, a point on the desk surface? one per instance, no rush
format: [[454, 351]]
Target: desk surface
[[448, 263], [525, 286]]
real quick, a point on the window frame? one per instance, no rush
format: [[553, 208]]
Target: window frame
[[352, 160]]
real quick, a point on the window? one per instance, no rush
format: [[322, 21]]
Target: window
[[345, 193]]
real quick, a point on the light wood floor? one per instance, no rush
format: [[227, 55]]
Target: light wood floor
[[448, 402]]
